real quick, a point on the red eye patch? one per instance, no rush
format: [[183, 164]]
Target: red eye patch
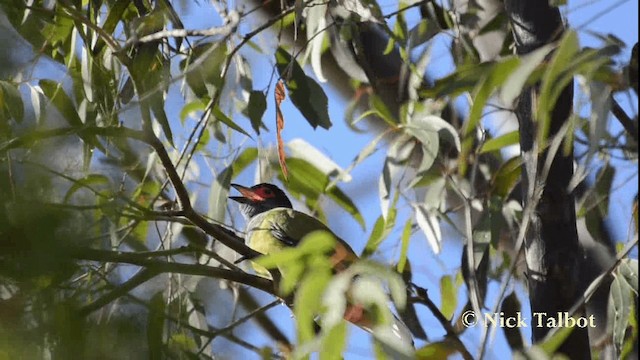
[[264, 193]]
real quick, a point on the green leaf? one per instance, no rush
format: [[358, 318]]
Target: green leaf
[[37, 103], [430, 142], [406, 235], [61, 101], [256, 108], [299, 148], [486, 87], [427, 129], [482, 237], [379, 234], [507, 176], [187, 109], [89, 182], [304, 92], [381, 110], [628, 269], [203, 68], [246, 157], [504, 140], [555, 79], [376, 237], [335, 299], [397, 287], [551, 344], [11, 100], [449, 297], [437, 350], [67, 109], [465, 78], [218, 195], [182, 342], [333, 342], [315, 243], [596, 204], [315, 25], [157, 106], [621, 297], [86, 66], [306, 179], [427, 220], [512, 87], [422, 32], [308, 302], [220, 116], [345, 202]]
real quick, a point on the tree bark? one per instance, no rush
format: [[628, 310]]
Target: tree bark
[[553, 252]]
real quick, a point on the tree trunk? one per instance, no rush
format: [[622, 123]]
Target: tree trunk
[[553, 252]]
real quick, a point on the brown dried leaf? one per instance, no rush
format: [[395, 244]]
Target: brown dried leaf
[[280, 95]]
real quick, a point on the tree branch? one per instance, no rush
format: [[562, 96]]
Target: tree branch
[[624, 119], [159, 266], [423, 298]]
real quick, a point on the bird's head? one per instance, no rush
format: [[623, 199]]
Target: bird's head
[[260, 198]]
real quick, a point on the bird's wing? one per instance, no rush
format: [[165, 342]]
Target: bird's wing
[[282, 227]]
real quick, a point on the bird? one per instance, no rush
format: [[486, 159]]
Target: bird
[[273, 225]]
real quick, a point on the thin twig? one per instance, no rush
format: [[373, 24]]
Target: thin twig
[[423, 298], [233, 19], [624, 119]]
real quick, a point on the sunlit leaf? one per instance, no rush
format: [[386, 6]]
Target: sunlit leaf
[[502, 141], [437, 350], [449, 296], [308, 180], [334, 342], [428, 222], [513, 86], [246, 157], [486, 87], [315, 26], [406, 235], [301, 149], [37, 103], [189, 108]]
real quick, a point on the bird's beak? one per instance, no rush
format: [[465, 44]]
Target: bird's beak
[[248, 195]]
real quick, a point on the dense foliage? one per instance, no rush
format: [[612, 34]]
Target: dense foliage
[[123, 124]]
